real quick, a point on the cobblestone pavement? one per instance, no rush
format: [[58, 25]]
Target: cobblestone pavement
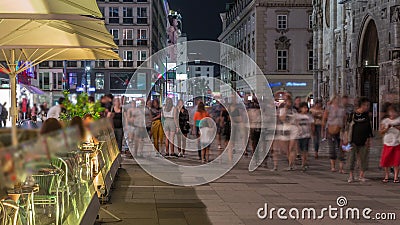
[[235, 198]]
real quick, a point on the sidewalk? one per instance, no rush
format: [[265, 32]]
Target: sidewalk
[[236, 197]]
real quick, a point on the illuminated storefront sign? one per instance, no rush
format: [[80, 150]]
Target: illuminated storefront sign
[[288, 84], [296, 84]]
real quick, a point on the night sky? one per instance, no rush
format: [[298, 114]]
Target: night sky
[[200, 18]]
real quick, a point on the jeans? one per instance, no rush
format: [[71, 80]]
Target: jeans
[[335, 151], [317, 137], [119, 136]]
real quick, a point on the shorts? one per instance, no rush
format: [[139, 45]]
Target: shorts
[[286, 132], [140, 132], [169, 125], [304, 144]]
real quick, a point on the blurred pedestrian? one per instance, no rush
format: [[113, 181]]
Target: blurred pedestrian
[[391, 142], [156, 126], [306, 125], [289, 131], [333, 121], [200, 114], [170, 126], [34, 112], [317, 112], [116, 117], [361, 135], [55, 111], [3, 115], [184, 128]]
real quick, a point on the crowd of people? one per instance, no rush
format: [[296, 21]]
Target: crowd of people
[[343, 127]]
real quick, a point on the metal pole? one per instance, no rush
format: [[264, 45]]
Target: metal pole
[[13, 87]]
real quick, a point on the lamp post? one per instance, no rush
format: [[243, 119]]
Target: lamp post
[[87, 74]]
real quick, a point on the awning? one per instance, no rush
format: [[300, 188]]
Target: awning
[[33, 90]]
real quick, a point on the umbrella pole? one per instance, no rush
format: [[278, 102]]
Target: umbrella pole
[[13, 87]]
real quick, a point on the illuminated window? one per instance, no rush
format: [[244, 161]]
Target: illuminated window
[[99, 81]]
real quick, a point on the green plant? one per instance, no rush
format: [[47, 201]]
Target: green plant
[[81, 108]]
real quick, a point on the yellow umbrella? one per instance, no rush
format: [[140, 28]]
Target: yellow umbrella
[[39, 30]]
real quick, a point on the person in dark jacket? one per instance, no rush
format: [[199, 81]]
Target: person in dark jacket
[[360, 138], [184, 127]]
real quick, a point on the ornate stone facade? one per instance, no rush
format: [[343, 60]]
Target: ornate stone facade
[[357, 53]]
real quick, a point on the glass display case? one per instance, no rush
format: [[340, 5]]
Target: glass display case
[[57, 179]]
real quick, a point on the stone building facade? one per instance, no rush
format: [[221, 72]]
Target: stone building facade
[[277, 35], [357, 49]]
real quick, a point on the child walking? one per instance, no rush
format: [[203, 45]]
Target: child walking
[[306, 126], [391, 144]]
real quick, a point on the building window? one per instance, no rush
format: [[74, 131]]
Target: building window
[[282, 58], [310, 60], [141, 1], [100, 64], [57, 81], [113, 0], [142, 56], [197, 69], [102, 10], [113, 14], [45, 64], [127, 0], [72, 63], [128, 58], [115, 34], [73, 80], [128, 15], [44, 81], [141, 15], [282, 22], [58, 64], [127, 37], [120, 81], [142, 37], [310, 22], [99, 81], [114, 63]]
